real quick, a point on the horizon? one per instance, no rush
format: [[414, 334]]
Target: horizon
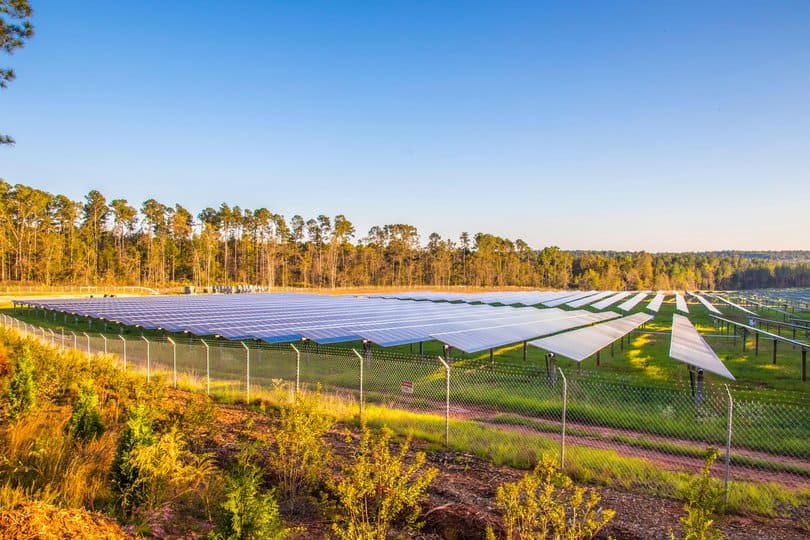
[[625, 128]]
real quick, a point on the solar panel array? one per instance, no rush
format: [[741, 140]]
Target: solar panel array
[[507, 298], [284, 317], [581, 343], [688, 346]]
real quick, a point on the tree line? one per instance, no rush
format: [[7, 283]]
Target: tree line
[[51, 239]]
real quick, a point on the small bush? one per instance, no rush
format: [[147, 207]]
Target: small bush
[[703, 500], [377, 488], [248, 513], [85, 422], [139, 432], [167, 472], [21, 394], [534, 508], [300, 453]]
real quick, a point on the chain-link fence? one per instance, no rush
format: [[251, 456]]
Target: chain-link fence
[[508, 413]]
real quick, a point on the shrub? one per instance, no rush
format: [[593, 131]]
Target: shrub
[[167, 471], [300, 453], [534, 508], [139, 432], [85, 422], [703, 500], [377, 488], [21, 394], [248, 513]]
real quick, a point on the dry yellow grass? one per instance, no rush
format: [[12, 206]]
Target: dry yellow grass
[[36, 520]]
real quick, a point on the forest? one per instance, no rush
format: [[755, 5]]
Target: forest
[[50, 239]]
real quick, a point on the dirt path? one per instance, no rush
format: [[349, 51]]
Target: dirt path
[[460, 501]]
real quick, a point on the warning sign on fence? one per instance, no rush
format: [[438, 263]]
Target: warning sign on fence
[[407, 387]]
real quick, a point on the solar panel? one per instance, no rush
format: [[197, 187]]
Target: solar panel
[[589, 299], [680, 303], [491, 337], [655, 303], [633, 302], [688, 346], [581, 343], [708, 305], [610, 300], [562, 297]]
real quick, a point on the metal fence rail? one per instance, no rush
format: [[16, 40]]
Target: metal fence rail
[[578, 417]]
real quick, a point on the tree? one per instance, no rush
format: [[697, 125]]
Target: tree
[[15, 29]]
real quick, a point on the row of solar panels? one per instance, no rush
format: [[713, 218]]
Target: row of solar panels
[[594, 299]]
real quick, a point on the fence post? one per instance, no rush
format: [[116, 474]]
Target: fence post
[[63, 337], [446, 401], [148, 360], [247, 372], [564, 406], [75, 340], [207, 368], [297, 368], [124, 340], [360, 356], [25, 330], [174, 358], [88, 343], [105, 342], [728, 442], [53, 336]]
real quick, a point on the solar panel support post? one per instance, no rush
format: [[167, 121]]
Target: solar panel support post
[[728, 442], [744, 338], [525, 350], [774, 351], [207, 368], [446, 401], [148, 359], [174, 359], [247, 372], [564, 407], [124, 341], [360, 356], [297, 368], [756, 343], [804, 365]]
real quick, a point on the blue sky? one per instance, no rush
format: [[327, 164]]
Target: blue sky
[[649, 125]]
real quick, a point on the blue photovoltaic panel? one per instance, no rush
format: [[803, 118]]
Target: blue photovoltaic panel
[[610, 300], [689, 347], [680, 303], [581, 343], [633, 302], [588, 299], [655, 303]]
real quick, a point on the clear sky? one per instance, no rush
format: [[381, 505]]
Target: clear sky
[[648, 125]]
